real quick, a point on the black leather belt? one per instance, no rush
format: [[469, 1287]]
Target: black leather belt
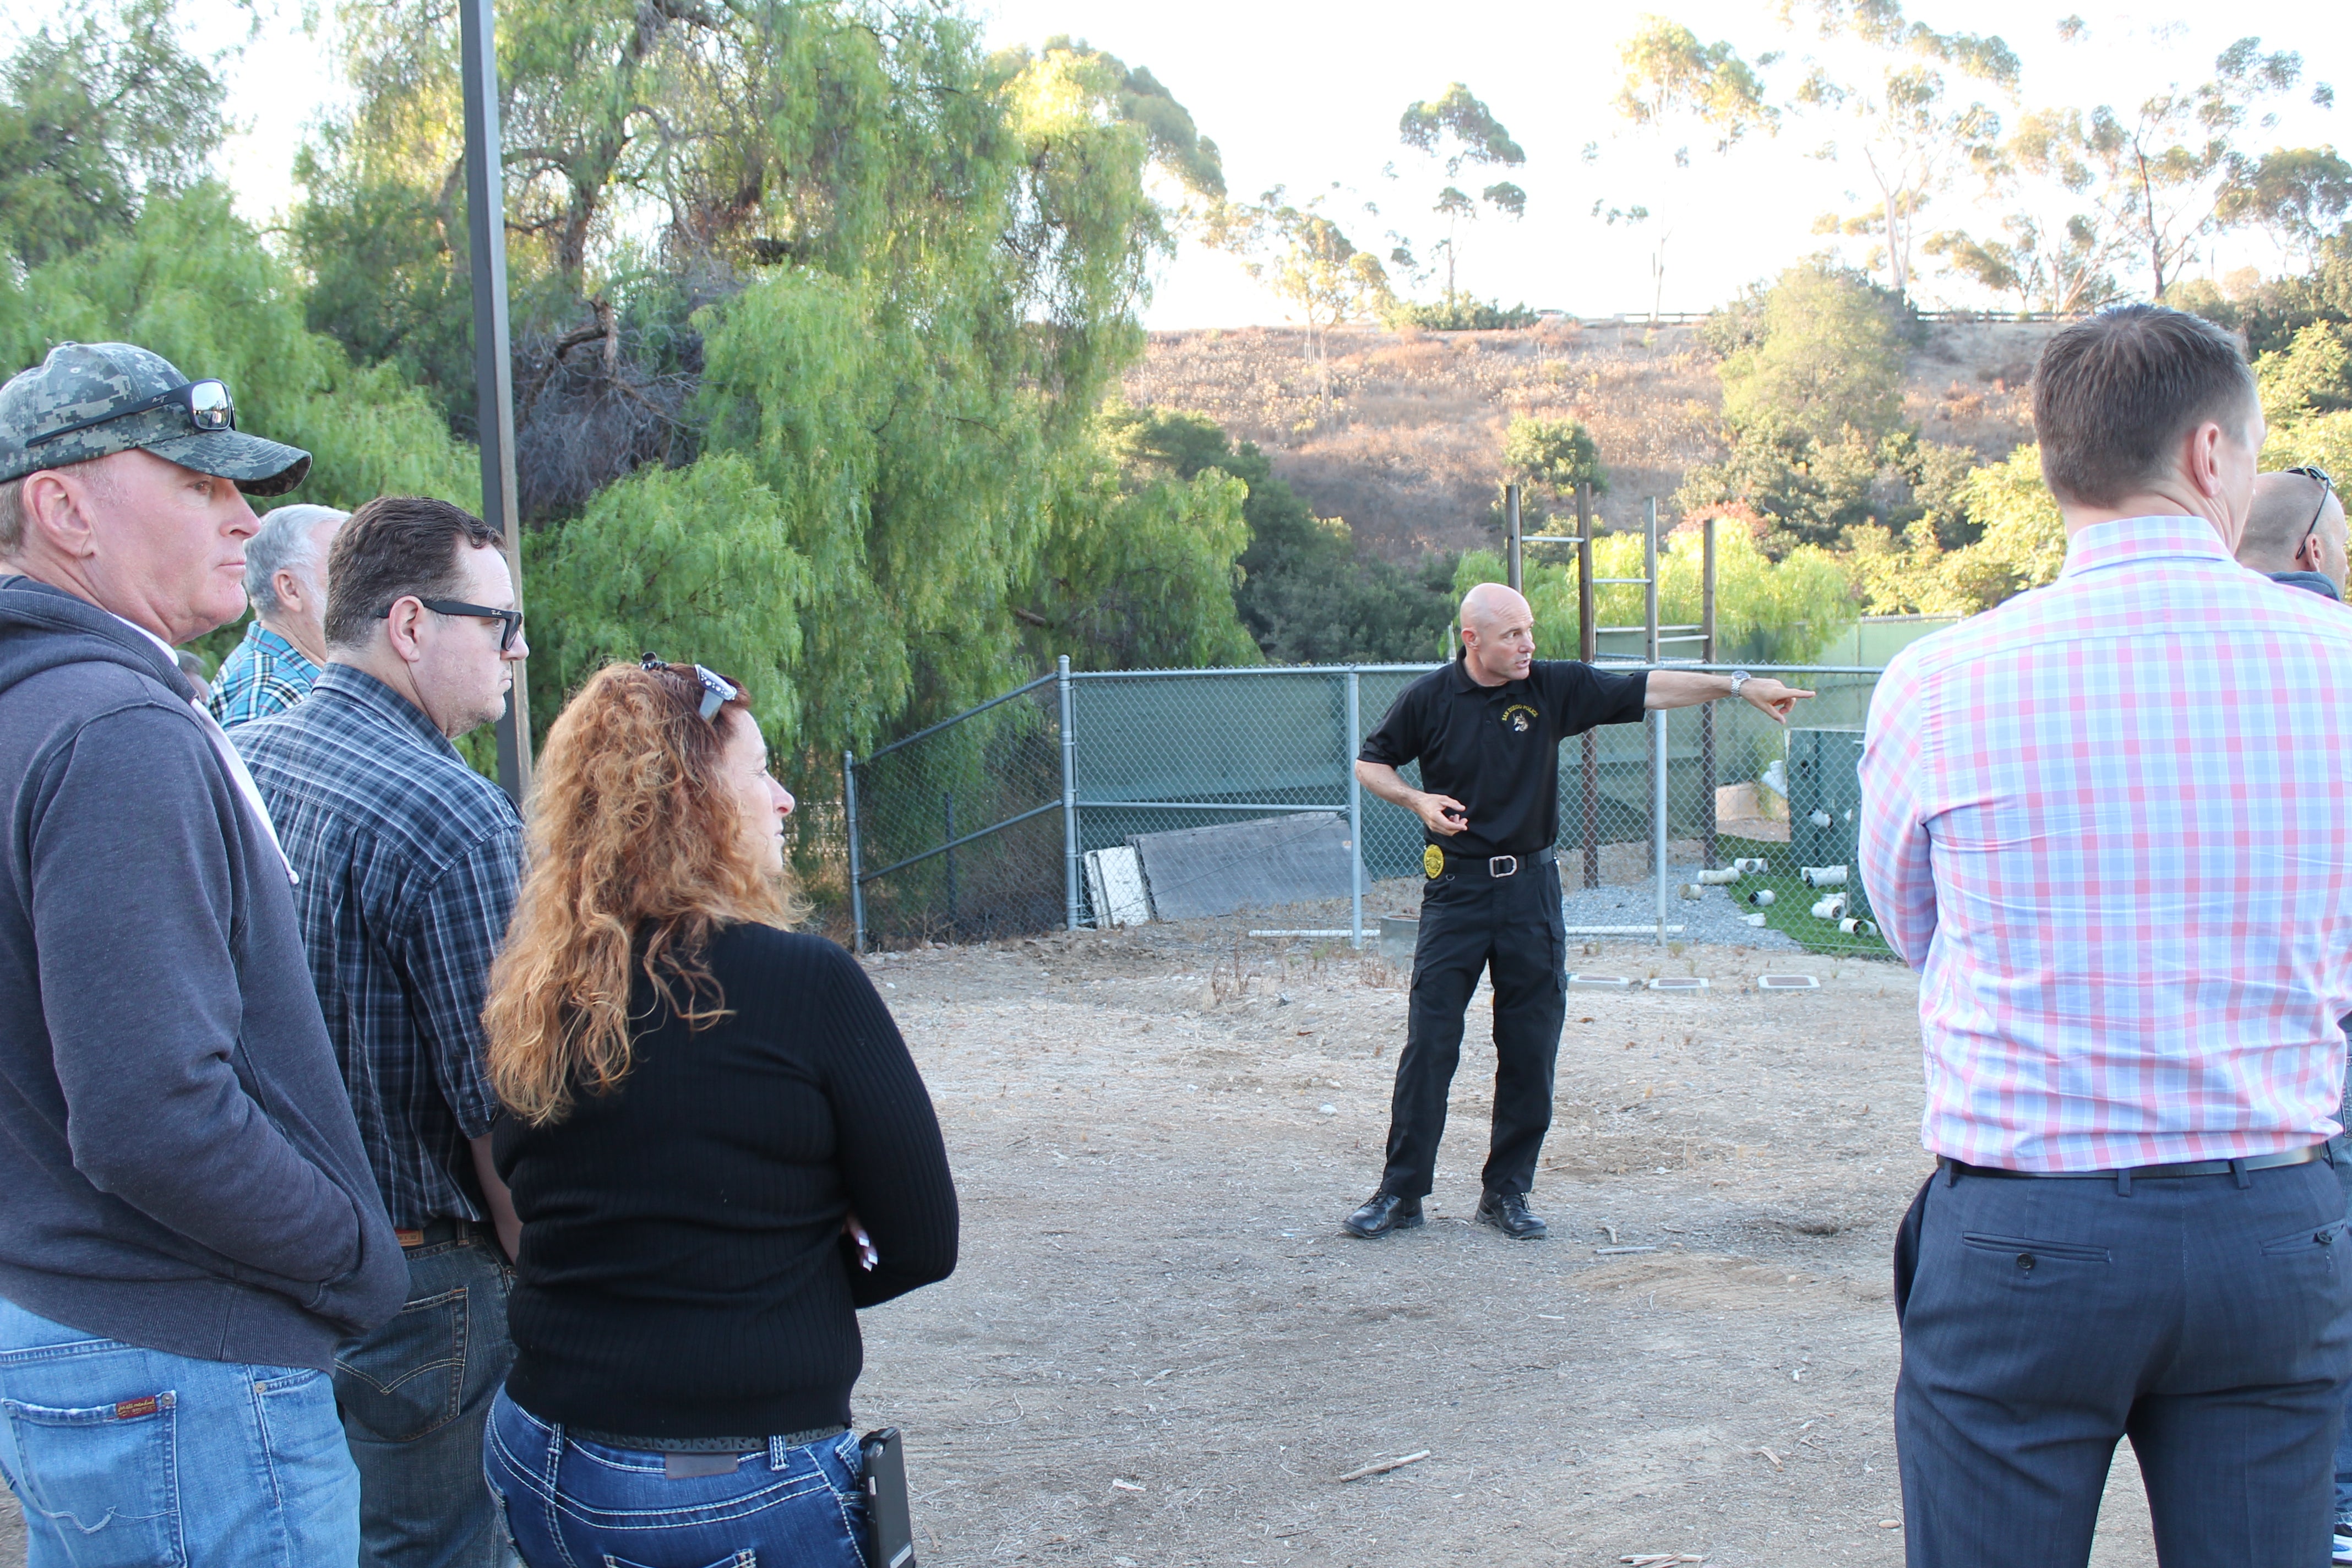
[[1499, 866], [2303, 1156]]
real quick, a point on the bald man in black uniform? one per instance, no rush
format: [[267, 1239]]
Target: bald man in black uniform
[[1487, 730]]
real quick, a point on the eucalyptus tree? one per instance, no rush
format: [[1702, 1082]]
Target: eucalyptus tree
[[1300, 253], [1901, 117], [1453, 132], [2061, 241], [1671, 84]]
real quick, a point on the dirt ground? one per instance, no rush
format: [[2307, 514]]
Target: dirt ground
[[1159, 1349]]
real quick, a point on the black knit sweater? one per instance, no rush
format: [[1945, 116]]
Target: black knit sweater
[[683, 1270]]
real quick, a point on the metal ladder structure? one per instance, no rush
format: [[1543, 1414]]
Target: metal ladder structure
[[1654, 638]]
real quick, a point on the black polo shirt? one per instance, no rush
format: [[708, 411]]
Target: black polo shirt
[[1496, 749]]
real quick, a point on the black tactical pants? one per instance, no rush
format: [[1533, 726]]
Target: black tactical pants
[[1470, 923]]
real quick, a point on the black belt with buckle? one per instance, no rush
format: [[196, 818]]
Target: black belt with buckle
[[2303, 1156], [1499, 866]]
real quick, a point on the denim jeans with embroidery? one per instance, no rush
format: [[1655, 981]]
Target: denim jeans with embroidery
[[570, 1501], [125, 1457]]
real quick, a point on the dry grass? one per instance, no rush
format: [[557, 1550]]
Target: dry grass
[[1407, 447]]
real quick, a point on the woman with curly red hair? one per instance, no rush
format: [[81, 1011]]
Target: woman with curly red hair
[[708, 1117]]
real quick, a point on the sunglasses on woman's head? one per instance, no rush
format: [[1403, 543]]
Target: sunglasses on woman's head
[[718, 691]]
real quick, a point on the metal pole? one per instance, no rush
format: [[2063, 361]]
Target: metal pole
[[1355, 812], [1650, 582], [1511, 528], [1706, 711], [948, 856], [1587, 643], [856, 881], [1069, 796], [485, 231], [1588, 636], [1658, 718]]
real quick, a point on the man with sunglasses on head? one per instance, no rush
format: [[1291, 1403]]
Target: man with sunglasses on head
[[409, 862], [190, 1225], [2295, 534]]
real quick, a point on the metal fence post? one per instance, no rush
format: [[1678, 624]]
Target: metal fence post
[[1706, 710], [1657, 719], [856, 882], [1070, 795], [1587, 643], [1355, 811], [1514, 556]]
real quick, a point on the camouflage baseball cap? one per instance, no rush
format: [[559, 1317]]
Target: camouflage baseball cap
[[87, 384]]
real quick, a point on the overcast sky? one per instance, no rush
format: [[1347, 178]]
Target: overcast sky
[[1306, 94]]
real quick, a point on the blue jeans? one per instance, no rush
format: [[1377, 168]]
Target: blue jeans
[[572, 1503], [2044, 1321], [129, 1458], [416, 1394]]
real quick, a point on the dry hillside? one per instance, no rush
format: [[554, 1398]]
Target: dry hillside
[[1407, 447]]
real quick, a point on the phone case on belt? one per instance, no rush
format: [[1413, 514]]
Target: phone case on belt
[[886, 1500]]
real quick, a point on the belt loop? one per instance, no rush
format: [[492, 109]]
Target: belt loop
[[2123, 1181], [1951, 1171], [779, 1455], [2238, 1168]]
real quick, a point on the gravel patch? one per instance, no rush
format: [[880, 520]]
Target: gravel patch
[[1714, 917]]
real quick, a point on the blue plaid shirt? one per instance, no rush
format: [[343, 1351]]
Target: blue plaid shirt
[[261, 678], [409, 862]]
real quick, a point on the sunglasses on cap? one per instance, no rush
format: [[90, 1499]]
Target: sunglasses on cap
[[209, 407], [718, 691]]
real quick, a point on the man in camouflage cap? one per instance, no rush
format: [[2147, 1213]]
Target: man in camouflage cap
[[93, 400], [191, 1224]]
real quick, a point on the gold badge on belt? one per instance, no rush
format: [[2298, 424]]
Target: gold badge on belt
[[1432, 860]]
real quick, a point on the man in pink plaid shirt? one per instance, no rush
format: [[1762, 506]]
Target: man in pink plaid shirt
[[2104, 822]]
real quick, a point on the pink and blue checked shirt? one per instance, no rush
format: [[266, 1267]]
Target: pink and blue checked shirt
[[2108, 822]]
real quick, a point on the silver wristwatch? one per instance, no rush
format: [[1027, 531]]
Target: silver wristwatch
[[1739, 678]]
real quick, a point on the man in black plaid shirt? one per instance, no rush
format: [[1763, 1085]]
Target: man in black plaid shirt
[[408, 862]]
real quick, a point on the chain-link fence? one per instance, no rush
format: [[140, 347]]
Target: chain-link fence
[[1706, 824]]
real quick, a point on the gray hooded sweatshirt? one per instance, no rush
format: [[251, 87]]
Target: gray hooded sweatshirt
[[180, 1164]]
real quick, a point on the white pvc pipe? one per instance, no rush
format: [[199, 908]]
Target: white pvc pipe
[[1823, 876]]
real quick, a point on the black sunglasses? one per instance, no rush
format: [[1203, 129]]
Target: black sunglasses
[[2327, 488], [509, 621], [209, 407], [718, 691]]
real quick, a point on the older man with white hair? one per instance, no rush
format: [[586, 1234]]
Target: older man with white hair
[[286, 581], [1486, 732]]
